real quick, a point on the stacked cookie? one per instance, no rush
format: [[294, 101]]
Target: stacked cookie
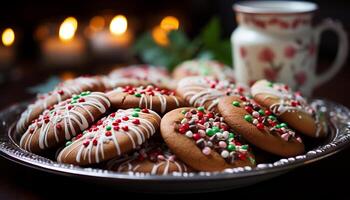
[[139, 119]]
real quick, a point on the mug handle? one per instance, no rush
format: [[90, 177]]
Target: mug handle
[[342, 51]]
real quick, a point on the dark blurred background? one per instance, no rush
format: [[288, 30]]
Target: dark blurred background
[[25, 17]]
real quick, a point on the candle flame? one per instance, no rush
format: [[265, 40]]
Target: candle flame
[[118, 25], [68, 28], [8, 37], [170, 23], [160, 36], [97, 23]]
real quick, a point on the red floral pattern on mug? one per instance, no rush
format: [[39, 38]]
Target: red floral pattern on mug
[[300, 77], [289, 52], [272, 74], [266, 55], [242, 52]]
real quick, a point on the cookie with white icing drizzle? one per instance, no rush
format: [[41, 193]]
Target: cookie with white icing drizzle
[[62, 92], [140, 75], [63, 121], [158, 99], [203, 68], [289, 107], [149, 160], [260, 127], [202, 140], [206, 91], [112, 136]]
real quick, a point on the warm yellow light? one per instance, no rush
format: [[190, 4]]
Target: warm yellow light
[[68, 28], [8, 37], [97, 23], [118, 25], [160, 36], [170, 23]]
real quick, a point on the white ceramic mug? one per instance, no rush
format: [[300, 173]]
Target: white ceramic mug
[[275, 40]]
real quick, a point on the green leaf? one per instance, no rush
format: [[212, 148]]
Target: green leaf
[[210, 35]]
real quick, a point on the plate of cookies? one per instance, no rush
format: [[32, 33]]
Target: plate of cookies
[[144, 129]]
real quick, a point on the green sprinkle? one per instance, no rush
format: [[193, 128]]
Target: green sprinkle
[[235, 103], [137, 109], [84, 93], [183, 112], [252, 160], [75, 97], [201, 108], [244, 147], [210, 132], [261, 112], [216, 129], [283, 125], [231, 147], [68, 143], [135, 114], [108, 128], [231, 135], [73, 101], [273, 118], [278, 126], [137, 95], [248, 118], [270, 84]]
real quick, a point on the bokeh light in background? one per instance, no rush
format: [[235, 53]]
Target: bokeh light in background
[[8, 37], [97, 23], [68, 28], [160, 32], [118, 25]]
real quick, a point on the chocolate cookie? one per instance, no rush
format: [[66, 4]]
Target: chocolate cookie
[[154, 160], [154, 98], [206, 91], [203, 140], [260, 127], [111, 137], [62, 92], [203, 68], [289, 107], [63, 121]]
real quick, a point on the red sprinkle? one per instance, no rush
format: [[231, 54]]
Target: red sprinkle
[[60, 92], [125, 128], [79, 135], [94, 142], [267, 112], [58, 126], [116, 128], [125, 118], [108, 133], [81, 100], [294, 103], [70, 107], [99, 122], [86, 143], [243, 98], [136, 121], [248, 109], [209, 115], [242, 156], [46, 121], [112, 115], [145, 110], [196, 136], [260, 126], [200, 115], [118, 120], [31, 130]]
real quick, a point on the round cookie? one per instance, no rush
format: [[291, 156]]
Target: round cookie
[[206, 91], [61, 92], [63, 121], [203, 140], [151, 97], [289, 107], [140, 75], [203, 68], [260, 127], [154, 160], [112, 136]]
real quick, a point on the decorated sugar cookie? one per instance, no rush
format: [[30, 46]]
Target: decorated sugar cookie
[[260, 127], [63, 121], [151, 97], [62, 92], [112, 136], [290, 107], [203, 68], [149, 160], [206, 91], [140, 75], [203, 140]]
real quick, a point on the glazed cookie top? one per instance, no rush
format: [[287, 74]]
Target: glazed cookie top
[[203, 68], [151, 97], [63, 91], [289, 101], [152, 160], [211, 133], [206, 91], [64, 120], [112, 136]]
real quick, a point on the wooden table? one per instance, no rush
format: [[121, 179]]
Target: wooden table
[[319, 178]]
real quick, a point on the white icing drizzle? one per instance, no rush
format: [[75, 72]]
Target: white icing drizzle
[[200, 90], [67, 113], [62, 92], [141, 132]]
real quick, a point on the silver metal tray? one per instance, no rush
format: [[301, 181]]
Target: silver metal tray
[[338, 118]]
